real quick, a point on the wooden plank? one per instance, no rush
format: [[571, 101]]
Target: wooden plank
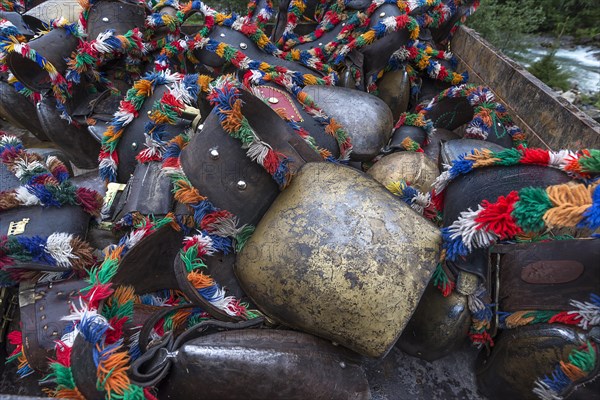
[[548, 120]]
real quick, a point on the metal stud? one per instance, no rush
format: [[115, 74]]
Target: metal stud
[[68, 301], [214, 153], [50, 285], [222, 35], [243, 46], [134, 146], [105, 19], [43, 317], [382, 15], [342, 364], [41, 308], [149, 112], [241, 185], [273, 100], [54, 333], [60, 293], [320, 44], [45, 327]]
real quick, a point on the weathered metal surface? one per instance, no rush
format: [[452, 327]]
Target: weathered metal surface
[[264, 364], [366, 118], [521, 356], [415, 168], [549, 120], [394, 89], [54, 9], [438, 327], [339, 256]]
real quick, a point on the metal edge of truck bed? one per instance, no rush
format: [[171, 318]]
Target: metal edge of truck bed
[[548, 120]]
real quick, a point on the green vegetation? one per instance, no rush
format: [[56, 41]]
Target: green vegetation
[[549, 72], [504, 22]]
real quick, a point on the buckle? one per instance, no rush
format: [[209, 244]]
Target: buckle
[[10, 304], [111, 192], [17, 227]]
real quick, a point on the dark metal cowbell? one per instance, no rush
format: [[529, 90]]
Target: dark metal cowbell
[[256, 364], [218, 166]]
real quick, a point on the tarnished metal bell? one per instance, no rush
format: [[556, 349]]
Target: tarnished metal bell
[[414, 168], [366, 118], [339, 256], [394, 89], [439, 325]]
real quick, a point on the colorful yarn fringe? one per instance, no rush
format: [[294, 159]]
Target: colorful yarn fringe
[[418, 201], [127, 112], [528, 210], [489, 117], [417, 120], [192, 254], [225, 97], [45, 183], [581, 164], [61, 250], [15, 338], [584, 315], [579, 365], [59, 84]]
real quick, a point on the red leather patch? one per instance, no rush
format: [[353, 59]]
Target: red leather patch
[[552, 271], [280, 101]]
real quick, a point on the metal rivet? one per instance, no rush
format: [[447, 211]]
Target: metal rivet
[[343, 24], [243, 46], [222, 35], [342, 364], [60, 293], [149, 112], [105, 19], [54, 333], [335, 343], [320, 44], [241, 185], [134, 145], [68, 301], [50, 285], [273, 100], [214, 154], [41, 308], [43, 317], [45, 327], [382, 15]]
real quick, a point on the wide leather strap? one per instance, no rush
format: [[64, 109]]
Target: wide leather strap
[[153, 366], [42, 308], [547, 276]]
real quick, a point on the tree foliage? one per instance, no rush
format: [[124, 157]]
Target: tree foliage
[[548, 71], [504, 22]]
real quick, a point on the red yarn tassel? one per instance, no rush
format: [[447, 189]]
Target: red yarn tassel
[[496, 217]]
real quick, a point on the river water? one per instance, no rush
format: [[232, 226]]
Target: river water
[[581, 62]]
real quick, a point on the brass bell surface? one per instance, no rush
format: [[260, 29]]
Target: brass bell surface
[[340, 257], [438, 326], [394, 89], [415, 168]]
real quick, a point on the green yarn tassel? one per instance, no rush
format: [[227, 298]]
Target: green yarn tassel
[[242, 237], [508, 157], [591, 163], [530, 209], [190, 260], [584, 359], [62, 375]]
